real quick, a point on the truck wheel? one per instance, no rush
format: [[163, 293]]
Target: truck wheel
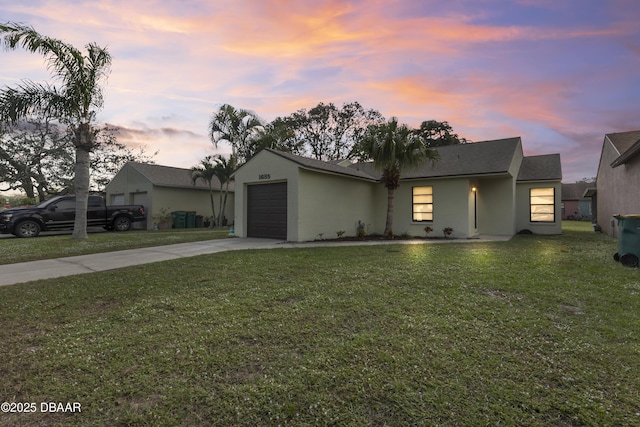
[[27, 229], [122, 223]]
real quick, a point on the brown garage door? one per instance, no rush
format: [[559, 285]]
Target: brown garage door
[[267, 210]]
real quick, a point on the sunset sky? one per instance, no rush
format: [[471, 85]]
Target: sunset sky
[[558, 73]]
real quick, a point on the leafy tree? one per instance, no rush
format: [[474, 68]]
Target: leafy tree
[[31, 154], [279, 135], [75, 102], [589, 180], [394, 148], [237, 127], [206, 172], [328, 133], [109, 156], [438, 134], [37, 157]]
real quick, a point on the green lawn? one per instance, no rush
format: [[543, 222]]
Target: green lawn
[[537, 331], [45, 247]]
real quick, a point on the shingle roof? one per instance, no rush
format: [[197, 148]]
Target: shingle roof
[[575, 190], [624, 140], [479, 158], [627, 144], [167, 176], [541, 168]]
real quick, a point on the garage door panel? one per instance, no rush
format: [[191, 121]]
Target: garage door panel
[[267, 210]]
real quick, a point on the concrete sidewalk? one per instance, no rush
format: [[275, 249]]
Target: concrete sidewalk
[[11, 274]]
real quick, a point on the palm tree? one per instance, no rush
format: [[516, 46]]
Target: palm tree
[[75, 102], [237, 127], [206, 171], [224, 170], [394, 148]]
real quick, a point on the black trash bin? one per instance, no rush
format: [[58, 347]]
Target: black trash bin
[[628, 240]]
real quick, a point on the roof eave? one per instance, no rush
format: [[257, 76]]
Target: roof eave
[[469, 175], [322, 170], [627, 155], [349, 175], [540, 180]]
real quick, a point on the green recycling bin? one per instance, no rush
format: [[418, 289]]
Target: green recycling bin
[[179, 219], [191, 220], [628, 240]]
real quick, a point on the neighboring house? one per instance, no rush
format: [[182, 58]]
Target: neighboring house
[[484, 188], [618, 183], [575, 205], [165, 189]]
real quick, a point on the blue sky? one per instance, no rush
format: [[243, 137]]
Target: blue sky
[[560, 74]]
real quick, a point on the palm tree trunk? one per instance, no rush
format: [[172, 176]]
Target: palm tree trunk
[[219, 220], [213, 211], [81, 184], [388, 227], [224, 203]]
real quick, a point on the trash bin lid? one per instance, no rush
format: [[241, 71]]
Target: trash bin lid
[[627, 216]]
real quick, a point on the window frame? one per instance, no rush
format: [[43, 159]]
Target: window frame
[[552, 204], [414, 203]]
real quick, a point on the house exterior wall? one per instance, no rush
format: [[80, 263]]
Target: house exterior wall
[[263, 169], [331, 203], [132, 186], [617, 189], [451, 208], [496, 197], [190, 200], [323, 202], [570, 208], [496, 206], [523, 208], [129, 187], [584, 209]]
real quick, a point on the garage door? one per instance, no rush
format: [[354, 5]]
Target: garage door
[[267, 210]]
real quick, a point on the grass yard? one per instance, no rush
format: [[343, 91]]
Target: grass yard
[[538, 331], [44, 247]]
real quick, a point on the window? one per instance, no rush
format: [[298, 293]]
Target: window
[[95, 202], [423, 203], [65, 205], [542, 202]]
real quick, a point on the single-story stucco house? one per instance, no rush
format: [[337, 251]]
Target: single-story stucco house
[[618, 181], [482, 188], [164, 189]]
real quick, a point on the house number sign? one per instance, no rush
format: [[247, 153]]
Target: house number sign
[[264, 176]]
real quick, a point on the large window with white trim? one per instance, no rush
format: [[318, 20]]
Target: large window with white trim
[[422, 203], [542, 204]]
